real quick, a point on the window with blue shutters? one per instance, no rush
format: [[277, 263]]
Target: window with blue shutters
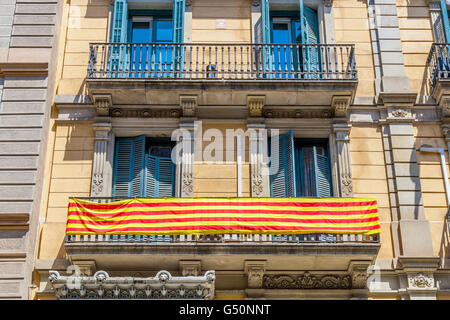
[[304, 168], [146, 26], [287, 28], [143, 168]]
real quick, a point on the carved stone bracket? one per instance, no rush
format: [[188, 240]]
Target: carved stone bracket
[[190, 267], [255, 105], [86, 267], [340, 105], [103, 103], [255, 273], [188, 3], [444, 104], [188, 105], [342, 131], [185, 169], [359, 274]]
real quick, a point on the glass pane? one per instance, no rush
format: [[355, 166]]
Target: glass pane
[[281, 33], [308, 183], [164, 30], [141, 32], [297, 32]]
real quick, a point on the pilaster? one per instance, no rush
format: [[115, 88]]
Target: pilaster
[[185, 165], [259, 171], [342, 139], [102, 168]]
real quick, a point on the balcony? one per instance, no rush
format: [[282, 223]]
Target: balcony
[[439, 71], [221, 251], [155, 73]]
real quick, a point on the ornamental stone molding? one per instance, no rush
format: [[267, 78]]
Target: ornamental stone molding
[[103, 104], [359, 273], [260, 185], [340, 105], [420, 280], [399, 113], [297, 113], [162, 286], [255, 273], [144, 113], [188, 105], [307, 281]]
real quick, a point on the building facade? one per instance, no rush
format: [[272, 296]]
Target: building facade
[[28, 48], [358, 91]]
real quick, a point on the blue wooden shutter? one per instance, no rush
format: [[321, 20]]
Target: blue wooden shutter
[[322, 173], [128, 178], [311, 36], [283, 182], [159, 182], [159, 177], [178, 35], [119, 56], [267, 55], [445, 20]]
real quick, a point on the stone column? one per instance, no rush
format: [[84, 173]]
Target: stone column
[[342, 131], [102, 168]]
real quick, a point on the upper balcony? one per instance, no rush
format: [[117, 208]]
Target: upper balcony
[[150, 73]]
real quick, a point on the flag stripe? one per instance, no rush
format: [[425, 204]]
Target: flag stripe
[[211, 216]]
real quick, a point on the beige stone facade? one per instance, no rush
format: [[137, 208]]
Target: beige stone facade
[[374, 125]]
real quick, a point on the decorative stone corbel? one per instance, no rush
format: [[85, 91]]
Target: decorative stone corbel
[[86, 267], [190, 267], [342, 132], [358, 273], [340, 105], [255, 273], [102, 165], [185, 166], [255, 105], [444, 104], [188, 3], [103, 103], [189, 105]]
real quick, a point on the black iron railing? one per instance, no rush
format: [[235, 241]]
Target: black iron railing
[[222, 61], [219, 238], [439, 62]]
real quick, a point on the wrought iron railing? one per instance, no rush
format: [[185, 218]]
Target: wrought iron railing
[[439, 62], [222, 61], [219, 238]]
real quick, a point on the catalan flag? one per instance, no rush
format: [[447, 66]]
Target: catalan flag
[[175, 216]]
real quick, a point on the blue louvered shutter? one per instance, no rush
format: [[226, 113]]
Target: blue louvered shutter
[[128, 178], [159, 182], [445, 16], [322, 174], [267, 55], [283, 182], [311, 37], [178, 35], [159, 177], [119, 55]]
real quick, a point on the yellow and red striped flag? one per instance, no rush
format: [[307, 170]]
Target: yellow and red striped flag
[[175, 216]]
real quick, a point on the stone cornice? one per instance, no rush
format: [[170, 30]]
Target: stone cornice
[[23, 69]]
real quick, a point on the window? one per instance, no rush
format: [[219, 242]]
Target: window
[[304, 168], [143, 168], [288, 28]]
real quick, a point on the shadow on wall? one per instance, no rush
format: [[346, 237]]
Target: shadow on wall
[[79, 143]]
